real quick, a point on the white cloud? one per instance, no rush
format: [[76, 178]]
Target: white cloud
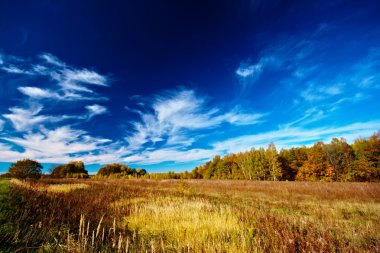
[[316, 92], [170, 155], [176, 114], [38, 93], [247, 70], [311, 115], [26, 119], [84, 76], [15, 70], [294, 136], [95, 110], [67, 82], [49, 58], [59, 145]]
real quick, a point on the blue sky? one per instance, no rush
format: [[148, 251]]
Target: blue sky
[[167, 85]]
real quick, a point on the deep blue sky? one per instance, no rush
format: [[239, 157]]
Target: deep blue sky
[[166, 85]]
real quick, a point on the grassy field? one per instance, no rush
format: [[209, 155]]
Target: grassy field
[[189, 216]]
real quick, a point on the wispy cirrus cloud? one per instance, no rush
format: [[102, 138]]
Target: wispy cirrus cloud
[[60, 145], [247, 70], [317, 92], [296, 136], [43, 132], [67, 83], [24, 119], [95, 109], [38, 93], [174, 115], [170, 154]]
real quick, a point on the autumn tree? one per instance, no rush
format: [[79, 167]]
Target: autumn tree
[[341, 157], [73, 169], [260, 165], [25, 168], [315, 166], [273, 163], [367, 158], [245, 163], [291, 161]]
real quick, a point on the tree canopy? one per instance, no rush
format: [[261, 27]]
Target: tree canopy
[[117, 170], [25, 168], [72, 169], [335, 161]]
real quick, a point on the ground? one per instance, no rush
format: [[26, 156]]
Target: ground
[[192, 216]]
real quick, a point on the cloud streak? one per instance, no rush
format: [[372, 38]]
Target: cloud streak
[[173, 116]]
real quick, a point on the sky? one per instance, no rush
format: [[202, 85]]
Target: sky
[[167, 85]]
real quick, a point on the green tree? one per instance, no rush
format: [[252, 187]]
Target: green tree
[[26, 168]]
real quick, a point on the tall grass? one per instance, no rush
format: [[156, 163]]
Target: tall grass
[[194, 216]]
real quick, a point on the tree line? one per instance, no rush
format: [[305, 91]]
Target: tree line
[[334, 161]]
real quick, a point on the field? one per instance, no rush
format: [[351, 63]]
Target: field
[[188, 216]]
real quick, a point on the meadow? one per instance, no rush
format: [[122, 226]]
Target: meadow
[[118, 215]]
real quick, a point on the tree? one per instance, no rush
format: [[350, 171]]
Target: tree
[[244, 161], [72, 169], [260, 165], [26, 168], [340, 156], [274, 165], [367, 158], [291, 161], [314, 168]]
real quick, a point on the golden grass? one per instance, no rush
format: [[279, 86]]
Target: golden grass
[[183, 223], [199, 216], [65, 188], [53, 188]]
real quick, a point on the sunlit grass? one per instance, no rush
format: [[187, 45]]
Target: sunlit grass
[[184, 222], [195, 216], [64, 188], [53, 188]]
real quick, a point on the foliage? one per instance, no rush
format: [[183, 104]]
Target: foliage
[[117, 170], [25, 168], [74, 169], [5, 175], [335, 161]]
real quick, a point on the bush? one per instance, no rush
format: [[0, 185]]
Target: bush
[[25, 168], [74, 169]]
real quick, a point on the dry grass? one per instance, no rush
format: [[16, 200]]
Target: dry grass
[[178, 223], [54, 188], [197, 216]]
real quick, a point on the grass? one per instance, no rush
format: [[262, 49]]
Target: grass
[[4, 189], [177, 223], [54, 188], [193, 216]]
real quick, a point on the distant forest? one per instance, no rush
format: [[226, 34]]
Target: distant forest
[[335, 161]]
